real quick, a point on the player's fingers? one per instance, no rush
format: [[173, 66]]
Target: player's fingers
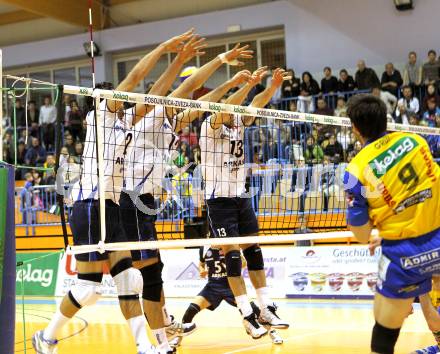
[[236, 46], [198, 53]]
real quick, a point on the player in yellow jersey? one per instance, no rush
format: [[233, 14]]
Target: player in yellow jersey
[[393, 184]]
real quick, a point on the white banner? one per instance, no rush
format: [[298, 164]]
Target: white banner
[[331, 271]]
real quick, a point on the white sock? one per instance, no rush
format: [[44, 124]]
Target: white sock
[[263, 297], [57, 322], [139, 330], [161, 338], [244, 305], [166, 317]]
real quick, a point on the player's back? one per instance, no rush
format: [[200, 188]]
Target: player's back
[[401, 183]]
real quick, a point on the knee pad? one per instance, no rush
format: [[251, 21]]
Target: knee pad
[[85, 293], [152, 276], [384, 339], [233, 263], [129, 284], [254, 257]]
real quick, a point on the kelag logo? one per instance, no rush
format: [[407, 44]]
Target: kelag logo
[[37, 273]]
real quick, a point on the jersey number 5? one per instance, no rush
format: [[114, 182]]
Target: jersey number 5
[[237, 148]]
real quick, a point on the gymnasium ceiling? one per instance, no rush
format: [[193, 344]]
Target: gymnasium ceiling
[[31, 20]]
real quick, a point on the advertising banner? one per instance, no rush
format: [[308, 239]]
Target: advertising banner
[[37, 273], [331, 272]]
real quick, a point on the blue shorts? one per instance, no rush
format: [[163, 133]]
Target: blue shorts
[[137, 225], [232, 217], [406, 266], [217, 291]]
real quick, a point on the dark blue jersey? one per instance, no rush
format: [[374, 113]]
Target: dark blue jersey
[[215, 264]]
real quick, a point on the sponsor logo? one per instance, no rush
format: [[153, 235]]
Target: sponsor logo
[[240, 110], [421, 259], [191, 272], [417, 198], [386, 160], [311, 257], [42, 277], [214, 107], [83, 91], [120, 96]]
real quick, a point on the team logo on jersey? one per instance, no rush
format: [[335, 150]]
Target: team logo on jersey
[[421, 259], [386, 160]]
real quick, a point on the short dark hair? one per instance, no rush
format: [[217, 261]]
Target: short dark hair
[[368, 114], [432, 51], [327, 68], [343, 71]]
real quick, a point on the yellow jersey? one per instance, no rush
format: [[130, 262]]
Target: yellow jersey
[[394, 182]]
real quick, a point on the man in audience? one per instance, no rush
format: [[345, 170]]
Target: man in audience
[[323, 108], [33, 117], [365, 78], [406, 104], [391, 79], [329, 83], [345, 82], [36, 155], [389, 99], [430, 72], [48, 117], [20, 114], [412, 74]]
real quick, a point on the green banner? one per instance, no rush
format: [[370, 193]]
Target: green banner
[[37, 273], [3, 203]]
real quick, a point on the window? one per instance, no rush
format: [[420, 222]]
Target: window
[[273, 53], [221, 74], [38, 95], [249, 64], [124, 67], [85, 76], [65, 76]]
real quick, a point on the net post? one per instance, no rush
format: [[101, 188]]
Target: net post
[[61, 111], [99, 122]]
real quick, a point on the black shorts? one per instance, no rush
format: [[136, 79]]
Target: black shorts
[[217, 291], [232, 217], [84, 222], [137, 225]]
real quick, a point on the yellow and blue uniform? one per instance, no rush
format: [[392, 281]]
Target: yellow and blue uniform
[[394, 182]]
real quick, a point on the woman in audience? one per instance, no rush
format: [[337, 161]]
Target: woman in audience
[[291, 88], [341, 107], [431, 93], [313, 153], [309, 84], [76, 118], [334, 150]]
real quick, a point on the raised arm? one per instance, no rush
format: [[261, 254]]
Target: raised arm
[[191, 49], [238, 98], [146, 64], [186, 117], [197, 79]]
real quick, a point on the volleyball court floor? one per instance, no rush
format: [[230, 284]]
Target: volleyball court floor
[[317, 326]]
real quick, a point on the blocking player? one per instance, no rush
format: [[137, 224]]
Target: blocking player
[[393, 183], [84, 219], [230, 211], [212, 265], [149, 157]]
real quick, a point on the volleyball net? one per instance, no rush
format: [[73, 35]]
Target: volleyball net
[[288, 165]]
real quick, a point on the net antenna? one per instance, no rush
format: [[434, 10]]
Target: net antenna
[[1, 104]]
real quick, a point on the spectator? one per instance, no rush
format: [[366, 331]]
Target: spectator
[[430, 116], [309, 84], [48, 117], [341, 107], [49, 174], [201, 91], [405, 105], [412, 74], [430, 72], [413, 118], [431, 92], [8, 147], [391, 79], [28, 216], [389, 99], [75, 121], [365, 78], [33, 117], [291, 88], [21, 153], [69, 144], [305, 102], [345, 82], [79, 147], [67, 109], [36, 155], [189, 137], [20, 114], [329, 83], [313, 153], [322, 107], [344, 138], [293, 106], [334, 150]]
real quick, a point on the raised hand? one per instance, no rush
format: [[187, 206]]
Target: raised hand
[[176, 44], [258, 75], [232, 57], [194, 47], [241, 77], [278, 76]]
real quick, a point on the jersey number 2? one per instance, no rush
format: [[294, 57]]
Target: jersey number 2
[[128, 139]]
